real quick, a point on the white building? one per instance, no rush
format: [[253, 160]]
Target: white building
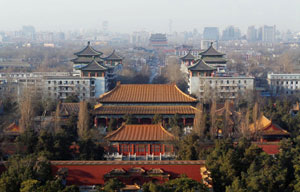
[[284, 84]]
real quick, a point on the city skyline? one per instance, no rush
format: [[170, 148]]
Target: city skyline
[[153, 16]]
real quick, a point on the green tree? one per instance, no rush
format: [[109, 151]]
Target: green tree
[[113, 185], [185, 184], [30, 185], [157, 118], [112, 125]]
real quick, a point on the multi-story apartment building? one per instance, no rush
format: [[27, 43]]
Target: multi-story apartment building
[[62, 87], [94, 76], [229, 87], [280, 84]]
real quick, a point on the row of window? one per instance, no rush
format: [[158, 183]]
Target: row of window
[[155, 148], [65, 89], [70, 82]]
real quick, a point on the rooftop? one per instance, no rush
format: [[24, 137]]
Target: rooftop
[[144, 109], [211, 51], [141, 132], [188, 56], [113, 56], [67, 109], [146, 93], [267, 127], [88, 51], [201, 65], [94, 66]]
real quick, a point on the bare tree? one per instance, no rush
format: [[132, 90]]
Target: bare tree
[[199, 121], [26, 111], [57, 119], [255, 118], [226, 117], [213, 119], [83, 121]]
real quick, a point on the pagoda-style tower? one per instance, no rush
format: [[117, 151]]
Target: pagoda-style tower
[[210, 56], [86, 56], [188, 59], [214, 58], [113, 59], [201, 69]]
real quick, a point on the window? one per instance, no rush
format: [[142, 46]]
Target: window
[[92, 82], [60, 82], [142, 148], [125, 148], [49, 88], [155, 149], [227, 81], [49, 82]]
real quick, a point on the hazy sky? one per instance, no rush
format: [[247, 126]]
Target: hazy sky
[[151, 15]]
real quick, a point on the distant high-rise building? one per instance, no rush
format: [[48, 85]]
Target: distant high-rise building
[[28, 31], [211, 33], [231, 33], [252, 34], [268, 33]]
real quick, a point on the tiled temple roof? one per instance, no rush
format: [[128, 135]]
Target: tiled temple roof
[[67, 109], [201, 65], [88, 51], [211, 51], [146, 93], [94, 66], [141, 132], [267, 127], [188, 56], [113, 56], [143, 109]]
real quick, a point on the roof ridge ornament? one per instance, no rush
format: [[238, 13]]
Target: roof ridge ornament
[[89, 42]]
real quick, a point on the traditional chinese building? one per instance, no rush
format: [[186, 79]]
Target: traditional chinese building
[[268, 131], [142, 102], [141, 140], [89, 173], [188, 59], [88, 54], [158, 40], [207, 78], [214, 58]]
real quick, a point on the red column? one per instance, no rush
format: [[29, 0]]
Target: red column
[[96, 122], [106, 121], [163, 148], [172, 149], [96, 74], [89, 74], [119, 148], [184, 121], [149, 149], [132, 149]]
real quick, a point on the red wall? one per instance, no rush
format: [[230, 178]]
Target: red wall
[[94, 174]]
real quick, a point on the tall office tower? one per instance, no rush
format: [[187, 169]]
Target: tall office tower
[[28, 31], [268, 33], [252, 34], [231, 33], [211, 33]]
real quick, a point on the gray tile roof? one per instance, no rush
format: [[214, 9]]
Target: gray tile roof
[[200, 65]]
